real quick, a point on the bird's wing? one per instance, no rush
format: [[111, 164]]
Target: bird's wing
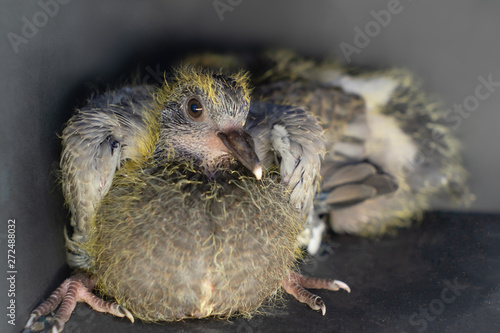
[[109, 129], [344, 120], [349, 176], [291, 139]]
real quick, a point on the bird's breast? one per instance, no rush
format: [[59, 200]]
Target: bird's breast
[[170, 243]]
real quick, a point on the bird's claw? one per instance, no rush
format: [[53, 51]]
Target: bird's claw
[[76, 288], [125, 313], [295, 285], [30, 322], [57, 325], [318, 304], [337, 285]]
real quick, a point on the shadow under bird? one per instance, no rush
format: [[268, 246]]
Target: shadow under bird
[[192, 199]]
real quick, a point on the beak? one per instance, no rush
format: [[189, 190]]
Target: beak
[[241, 144]]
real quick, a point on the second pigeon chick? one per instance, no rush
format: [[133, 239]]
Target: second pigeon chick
[[390, 148]]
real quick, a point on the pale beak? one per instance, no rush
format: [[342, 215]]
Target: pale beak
[[241, 145]]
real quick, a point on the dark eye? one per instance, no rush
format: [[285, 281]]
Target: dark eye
[[194, 108]]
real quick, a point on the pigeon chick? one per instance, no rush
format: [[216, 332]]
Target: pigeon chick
[[187, 201]]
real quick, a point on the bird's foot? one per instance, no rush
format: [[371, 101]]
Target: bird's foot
[[78, 288], [295, 285]]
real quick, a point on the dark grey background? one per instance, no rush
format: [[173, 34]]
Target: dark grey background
[[449, 44]]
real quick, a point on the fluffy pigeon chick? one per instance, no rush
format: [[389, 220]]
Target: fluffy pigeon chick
[[187, 201]]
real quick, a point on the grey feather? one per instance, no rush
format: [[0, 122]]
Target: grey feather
[[95, 141], [345, 175], [349, 195]]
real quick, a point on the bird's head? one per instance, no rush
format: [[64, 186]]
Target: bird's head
[[202, 118]]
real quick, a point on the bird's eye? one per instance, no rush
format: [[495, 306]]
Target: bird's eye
[[194, 108]]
